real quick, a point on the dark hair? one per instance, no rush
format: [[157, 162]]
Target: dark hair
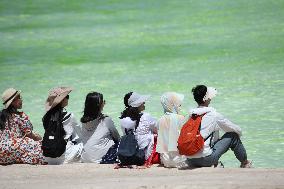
[[129, 111], [199, 92], [126, 97], [55, 110], [92, 110], [5, 114]]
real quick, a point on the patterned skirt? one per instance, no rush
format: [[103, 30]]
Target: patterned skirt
[[111, 155], [21, 151]]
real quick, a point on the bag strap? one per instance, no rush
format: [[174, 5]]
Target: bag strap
[[211, 135], [130, 131]]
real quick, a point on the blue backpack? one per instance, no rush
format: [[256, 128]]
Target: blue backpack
[[128, 151]]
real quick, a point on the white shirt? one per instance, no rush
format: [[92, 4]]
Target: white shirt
[[144, 132], [211, 122], [98, 136]]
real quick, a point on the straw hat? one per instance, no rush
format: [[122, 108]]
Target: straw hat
[[55, 96], [8, 96]]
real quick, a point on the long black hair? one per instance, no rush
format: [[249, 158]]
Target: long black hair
[[5, 114], [129, 111], [92, 110], [58, 109]]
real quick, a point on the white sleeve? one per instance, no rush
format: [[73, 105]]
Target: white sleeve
[[152, 122], [226, 125], [71, 127]]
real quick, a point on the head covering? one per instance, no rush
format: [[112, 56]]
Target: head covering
[[135, 100], [55, 96], [8, 96], [171, 101], [211, 93]]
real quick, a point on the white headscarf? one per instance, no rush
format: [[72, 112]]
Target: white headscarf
[[171, 102], [170, 123]]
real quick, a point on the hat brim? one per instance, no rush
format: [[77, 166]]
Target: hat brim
[[140, 100], [58, 99], [7, 104], [212, 92]]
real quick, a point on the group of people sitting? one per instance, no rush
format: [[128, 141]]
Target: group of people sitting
[[95, 138]]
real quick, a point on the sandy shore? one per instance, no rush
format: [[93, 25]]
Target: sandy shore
[[81, 176]]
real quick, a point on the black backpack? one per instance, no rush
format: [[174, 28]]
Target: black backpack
[[53, 143], [128, 151]]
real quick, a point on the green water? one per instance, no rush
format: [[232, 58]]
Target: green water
[[152, 47]]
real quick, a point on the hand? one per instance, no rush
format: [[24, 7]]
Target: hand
[[36, 137]]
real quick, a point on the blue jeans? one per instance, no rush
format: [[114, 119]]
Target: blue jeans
[[228, 141]]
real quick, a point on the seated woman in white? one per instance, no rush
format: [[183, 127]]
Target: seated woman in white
[[169, 127], [100, 137], [143, 124]]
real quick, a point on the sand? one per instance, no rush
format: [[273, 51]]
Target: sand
[[89, 176]]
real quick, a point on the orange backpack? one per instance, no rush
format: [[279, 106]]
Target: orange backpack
[[190, 141]]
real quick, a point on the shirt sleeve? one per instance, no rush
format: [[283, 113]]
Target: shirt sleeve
[[152, 122], [72, 127], [25, 124], [226, 125], [114, 133]]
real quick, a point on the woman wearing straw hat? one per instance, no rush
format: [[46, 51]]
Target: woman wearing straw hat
[[18, 143], [169, 126], [56, 102]]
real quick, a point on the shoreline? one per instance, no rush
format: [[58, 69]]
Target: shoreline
[[89, 175]]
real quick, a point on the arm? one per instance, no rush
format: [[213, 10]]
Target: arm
[[34, 136], [152, 122], [114, 133], [72, 127], [26, 127], [226, 125]]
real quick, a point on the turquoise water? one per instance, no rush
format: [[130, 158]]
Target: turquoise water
[[152, 48]]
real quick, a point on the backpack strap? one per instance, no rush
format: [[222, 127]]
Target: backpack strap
[[130, 131], [209, 136]]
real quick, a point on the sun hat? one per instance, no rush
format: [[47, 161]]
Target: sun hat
[[135, 100], [210, 93], [55, 96], [8, 96]]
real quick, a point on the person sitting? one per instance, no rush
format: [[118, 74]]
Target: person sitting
[[134, 117], [18, 142], [99, 135], [169, 126], [55, 110], [213, 122]]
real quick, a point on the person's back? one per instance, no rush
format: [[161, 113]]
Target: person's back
[[99, 135], [168, 130], [212, 123], [56, 102], [143, 124]]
